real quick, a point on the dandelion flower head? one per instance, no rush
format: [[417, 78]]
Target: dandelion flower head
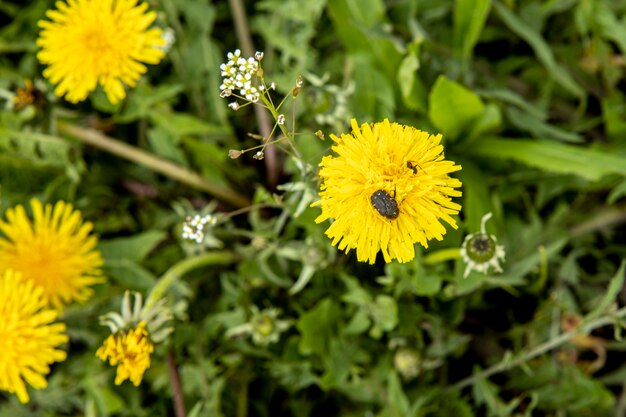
[[29, 339], [387, 187], [55, 250], [91, 42], [130, 350]]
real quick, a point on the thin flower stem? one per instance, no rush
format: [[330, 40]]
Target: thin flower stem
[[184, 266], [243, 35], [116, 147], [177, 390], [523, 357]]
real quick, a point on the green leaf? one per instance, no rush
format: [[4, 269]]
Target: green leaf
[[134, 248], [541, 48], [616, 285], [614, 115], [318, 327], [452, 108], [181, 124], [37, 147], [384, 312], [165, 145], [469, 19], [616, 193], [476, 198], [412, 88], [552, 157], [129, 274], [398, 403], [526, 122], [489, 121]]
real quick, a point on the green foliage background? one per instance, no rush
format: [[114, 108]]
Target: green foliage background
[[529, 96]]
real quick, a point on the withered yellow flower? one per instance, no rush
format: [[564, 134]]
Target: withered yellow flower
[[130, 350]]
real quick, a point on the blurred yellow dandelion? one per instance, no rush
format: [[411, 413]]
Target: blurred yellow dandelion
[[55, 250], [130, 351], [91, 42], [28, 337], [386, 189]]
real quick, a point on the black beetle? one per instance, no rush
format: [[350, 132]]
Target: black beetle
[[385, 204]]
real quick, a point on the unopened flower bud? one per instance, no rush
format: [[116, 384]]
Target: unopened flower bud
[[234, 105], [258, 55], [234, 153], [320, 134], [407, 362]]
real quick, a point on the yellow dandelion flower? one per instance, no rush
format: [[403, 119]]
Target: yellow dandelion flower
[[91, 42], [130, 351], [55, 250], [28, 336], [386, 189]]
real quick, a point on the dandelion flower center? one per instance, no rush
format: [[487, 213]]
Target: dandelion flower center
[[386, 188], [55, 250], [91, 42], [29, 339]]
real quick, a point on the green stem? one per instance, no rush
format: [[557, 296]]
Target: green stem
[[184, 266], [539, 350], [167, 168]]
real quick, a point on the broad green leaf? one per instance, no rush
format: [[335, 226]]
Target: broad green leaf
[[384, 312], [318, 327], [526, 122], [36, 147], [469, 19], [134, 248], [541, 48], [552, 157], [129, 274], [452, 107]]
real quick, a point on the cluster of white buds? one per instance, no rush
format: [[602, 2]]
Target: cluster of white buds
[[239, 74], [193, 228]]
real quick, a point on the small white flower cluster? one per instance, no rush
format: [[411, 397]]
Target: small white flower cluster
[[193, 228], [238, 74]]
